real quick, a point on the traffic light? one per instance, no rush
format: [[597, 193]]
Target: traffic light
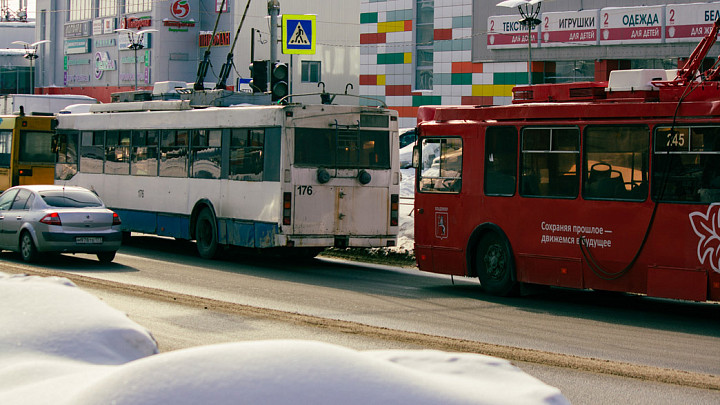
[[279, 81], [259, 72]]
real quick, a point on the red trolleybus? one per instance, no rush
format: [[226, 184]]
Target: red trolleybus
[[598, 185]]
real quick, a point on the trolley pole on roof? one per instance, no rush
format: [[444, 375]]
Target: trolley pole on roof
[[529, 14]]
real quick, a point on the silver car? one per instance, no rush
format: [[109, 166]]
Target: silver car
[[36, 219]]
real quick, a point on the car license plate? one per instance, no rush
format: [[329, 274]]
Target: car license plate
[[88, 240]]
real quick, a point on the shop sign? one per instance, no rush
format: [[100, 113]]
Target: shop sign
[[105, 42], [124, 41], [68, 78], [570, 28], [221, 38], [143, 58], [689, 22], [97, 27], [109, 25], [103, 63], [76, 46], [76, 62], [135, 22], [81, 29], [631, 25], [505, 31], [180, 9], [143, 76], [178, 26]]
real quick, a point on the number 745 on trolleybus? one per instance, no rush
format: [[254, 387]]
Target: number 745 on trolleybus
[[295, 178], [596, 185]]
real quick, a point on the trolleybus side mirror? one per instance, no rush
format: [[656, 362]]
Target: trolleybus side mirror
[[54, 144], [416, 156]]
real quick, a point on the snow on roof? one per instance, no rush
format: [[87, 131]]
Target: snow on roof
[[61, 345]]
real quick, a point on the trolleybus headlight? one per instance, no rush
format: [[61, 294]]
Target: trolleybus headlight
[[323, 176], [364, 177]]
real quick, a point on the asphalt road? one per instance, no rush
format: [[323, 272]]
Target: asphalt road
[[611, 330]]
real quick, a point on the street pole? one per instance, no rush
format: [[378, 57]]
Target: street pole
[[136, 39], [529, 14], [273, 11], [31, 54], [135, 48]]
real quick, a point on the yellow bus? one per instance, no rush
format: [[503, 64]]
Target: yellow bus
[[26, 153]]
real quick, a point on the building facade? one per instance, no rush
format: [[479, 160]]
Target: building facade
[[433, 52], [88, 56]]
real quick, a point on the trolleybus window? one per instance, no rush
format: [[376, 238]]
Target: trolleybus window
[[173, 153], [550, 158], [36, 147], [5, 148], [144, 153], [206, 154], [342, 148], [500, 160], [117, 152], [441, 165], [615, 162], [67, 159], [91, 151], [246, 154], [686, 165]]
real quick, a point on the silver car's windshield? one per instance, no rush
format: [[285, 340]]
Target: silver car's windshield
[[70, 198]]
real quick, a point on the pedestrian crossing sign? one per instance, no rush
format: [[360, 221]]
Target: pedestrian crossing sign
[[298, 34]]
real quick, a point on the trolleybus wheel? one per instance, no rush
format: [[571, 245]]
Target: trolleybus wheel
[[206, 235], [494, 265]]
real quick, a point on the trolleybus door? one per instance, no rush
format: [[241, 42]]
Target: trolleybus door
[[438, 207]]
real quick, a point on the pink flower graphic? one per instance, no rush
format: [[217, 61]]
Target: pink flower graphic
[[706, 226]]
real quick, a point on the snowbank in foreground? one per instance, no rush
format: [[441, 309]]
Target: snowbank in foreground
[[61, 345]]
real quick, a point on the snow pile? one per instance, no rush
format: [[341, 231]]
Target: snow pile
[[61, 345]]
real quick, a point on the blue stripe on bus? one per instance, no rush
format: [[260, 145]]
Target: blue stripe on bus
[[173, 225], [230, 232], [137, 221], [246, 233]]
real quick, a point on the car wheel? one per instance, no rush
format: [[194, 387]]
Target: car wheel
[[494, 265], [28, 251], [106, 257], [206, 235]]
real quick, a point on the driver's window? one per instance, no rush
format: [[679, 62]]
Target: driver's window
[[440, 169]]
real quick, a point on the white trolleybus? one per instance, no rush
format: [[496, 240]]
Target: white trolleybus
[[295, 178]]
